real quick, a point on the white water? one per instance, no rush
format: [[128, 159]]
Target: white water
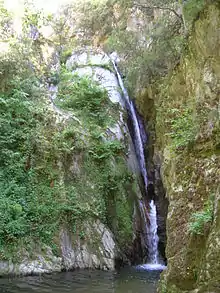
[[138, 141], [151, 267], [151, 238]]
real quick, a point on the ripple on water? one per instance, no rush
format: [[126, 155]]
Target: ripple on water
[[128, 280]]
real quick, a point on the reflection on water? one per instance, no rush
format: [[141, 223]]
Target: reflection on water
[[84, 281]]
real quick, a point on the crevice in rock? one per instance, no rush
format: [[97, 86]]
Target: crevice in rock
[[156, 190]]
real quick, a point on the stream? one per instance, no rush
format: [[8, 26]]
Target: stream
[[127, 280]]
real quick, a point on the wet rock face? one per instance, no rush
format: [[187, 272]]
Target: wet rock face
[[44, 262], [187, 177], [98, 65], [87, 57], [95, 249], [162, 209]]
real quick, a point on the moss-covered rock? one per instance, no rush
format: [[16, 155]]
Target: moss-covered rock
[[187, 141], [187, 138]]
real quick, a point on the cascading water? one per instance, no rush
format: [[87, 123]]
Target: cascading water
[[151, 238], [137, 134], [153, 255]]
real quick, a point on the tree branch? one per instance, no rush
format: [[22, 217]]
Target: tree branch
[[161, 8]]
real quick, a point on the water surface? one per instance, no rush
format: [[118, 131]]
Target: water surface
[[129, 280]]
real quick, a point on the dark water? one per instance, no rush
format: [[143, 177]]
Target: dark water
[[126, 281]]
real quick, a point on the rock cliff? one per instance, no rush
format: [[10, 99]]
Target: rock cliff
[[93, 182], [187, 154]]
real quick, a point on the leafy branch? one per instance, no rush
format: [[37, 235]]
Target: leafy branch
[[143, 6]]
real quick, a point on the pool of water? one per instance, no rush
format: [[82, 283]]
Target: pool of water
[[129, 280]]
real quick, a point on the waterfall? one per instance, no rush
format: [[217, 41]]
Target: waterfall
[[151, 238], [153, 254], [139, 148]]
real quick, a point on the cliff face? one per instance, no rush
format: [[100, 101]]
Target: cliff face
[[77, 205], [187, 143]]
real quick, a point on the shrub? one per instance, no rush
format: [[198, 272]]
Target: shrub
[[65, 55], [192, 9], [83, 94], [183, 127], [200, 219]]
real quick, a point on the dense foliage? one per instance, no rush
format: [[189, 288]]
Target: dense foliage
[[150, 36], [41, 188], [25, 184], [104, 180], [82, 94], [38, 189]]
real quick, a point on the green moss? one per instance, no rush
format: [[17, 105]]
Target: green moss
[[183, 128], [187, 142]]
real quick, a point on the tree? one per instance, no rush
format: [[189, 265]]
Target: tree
[[6, 29], [174, 7], [64, 26]]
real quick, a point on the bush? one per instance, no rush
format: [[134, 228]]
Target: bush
[[192, 9], [183, 127], [53, 173], [84, 95], [200, 219], [65, 55]]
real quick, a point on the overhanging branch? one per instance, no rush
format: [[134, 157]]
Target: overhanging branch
[[161, 8]]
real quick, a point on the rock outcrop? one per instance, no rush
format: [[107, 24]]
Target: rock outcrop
[[100, 188], [95, 249]]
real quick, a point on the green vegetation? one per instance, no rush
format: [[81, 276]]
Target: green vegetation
[[149, 51], [35, 200], [83, 95], [183, 128], [192, 8], [19, 175], [104, 180], [65, 54], [56, 172], [201, 219]]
